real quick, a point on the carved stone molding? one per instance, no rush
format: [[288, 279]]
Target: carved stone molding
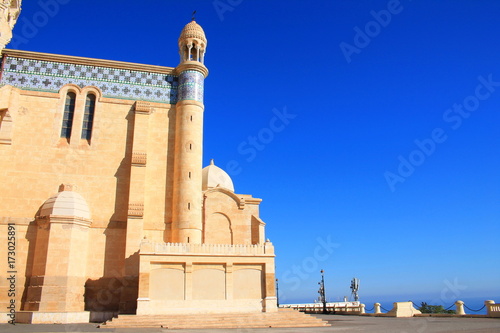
[[139, 158], [143, 107], [136, 209]]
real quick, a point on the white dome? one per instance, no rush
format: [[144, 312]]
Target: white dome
[[213, 176], [66, 203]]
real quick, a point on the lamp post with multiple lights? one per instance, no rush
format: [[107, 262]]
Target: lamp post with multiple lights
[[277, 294], [321, 291]]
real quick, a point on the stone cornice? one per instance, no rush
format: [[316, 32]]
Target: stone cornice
[[87, 61], [62, 219], [190, 102], [191, 65]]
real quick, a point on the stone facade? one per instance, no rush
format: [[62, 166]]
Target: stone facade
[[102, 178], [9, 12]]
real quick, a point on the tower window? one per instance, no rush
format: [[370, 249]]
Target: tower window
[[69, 112], [88, 117]]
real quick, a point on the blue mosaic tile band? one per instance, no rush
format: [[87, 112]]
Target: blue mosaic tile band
[[114, 83], [191, 86]]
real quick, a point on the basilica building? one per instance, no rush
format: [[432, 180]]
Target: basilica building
[[102, 184]]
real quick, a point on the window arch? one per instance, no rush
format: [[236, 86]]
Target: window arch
[[88, 117], [69, 112]]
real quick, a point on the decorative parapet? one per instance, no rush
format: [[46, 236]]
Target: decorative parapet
[[492, 308], [136, 209], [139, 158], [152, 248]]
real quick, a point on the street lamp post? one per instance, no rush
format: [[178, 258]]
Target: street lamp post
[[277, 294], [321, 291]]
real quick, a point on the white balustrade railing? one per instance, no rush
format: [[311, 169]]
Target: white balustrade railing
[[148, 247]]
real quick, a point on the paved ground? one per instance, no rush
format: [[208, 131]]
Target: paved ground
[[339, 324]]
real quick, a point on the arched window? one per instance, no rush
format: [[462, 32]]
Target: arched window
[[69, 112], [88, 117]]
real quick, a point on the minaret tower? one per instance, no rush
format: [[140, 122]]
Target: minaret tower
[[187, 196]]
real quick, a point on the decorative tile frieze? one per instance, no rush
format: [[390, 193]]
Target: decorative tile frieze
[[191, 86], [136, 209], [50, 76]]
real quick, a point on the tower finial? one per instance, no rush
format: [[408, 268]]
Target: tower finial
[[193, 18], [212, 162]]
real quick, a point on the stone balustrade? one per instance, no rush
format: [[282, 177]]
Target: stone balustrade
[[492, 308], [266, 249], [400, 309], [337, 308]]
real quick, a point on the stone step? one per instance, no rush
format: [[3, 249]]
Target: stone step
[[213, 317], [287, 318], [158, 323]]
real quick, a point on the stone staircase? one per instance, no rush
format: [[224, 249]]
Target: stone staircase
[[282, 318]]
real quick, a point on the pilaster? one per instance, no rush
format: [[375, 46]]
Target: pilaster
[[229, 281], [135, 216], [188, 283], [138, 164]]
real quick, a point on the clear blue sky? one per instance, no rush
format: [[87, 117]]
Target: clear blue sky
[[368, 126]]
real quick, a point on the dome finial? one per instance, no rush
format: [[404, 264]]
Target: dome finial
[[212, 162], [192, 43], [193, 18]]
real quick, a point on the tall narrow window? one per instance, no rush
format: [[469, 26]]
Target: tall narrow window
[[5, 127], [88, 117], [69, 112]]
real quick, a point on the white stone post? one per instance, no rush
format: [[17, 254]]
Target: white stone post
[[377, 308], [459, 305], [488, 305], [362, 308]]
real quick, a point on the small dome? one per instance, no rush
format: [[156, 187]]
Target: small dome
[[193, 30], [66, 203], [213, 176]]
